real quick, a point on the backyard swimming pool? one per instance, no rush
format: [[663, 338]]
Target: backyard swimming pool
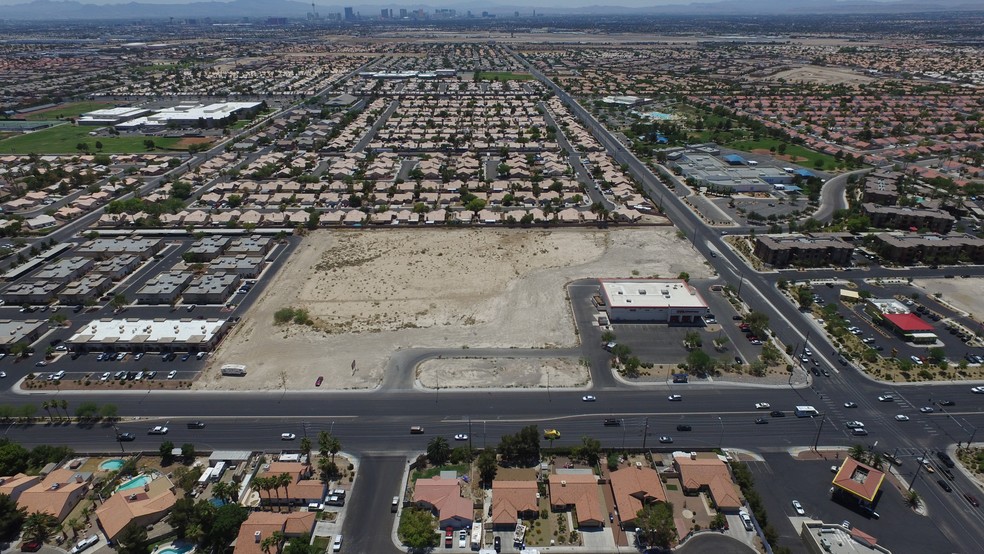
[[135, 483]]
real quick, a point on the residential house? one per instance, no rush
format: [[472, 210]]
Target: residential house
[[443, 498], [57, 493], [581, 492], [137, 506], [633, 488], [708, 473], [513, 501], [262, 525]]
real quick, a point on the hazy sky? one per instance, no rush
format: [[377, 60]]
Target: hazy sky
[[449, 3]]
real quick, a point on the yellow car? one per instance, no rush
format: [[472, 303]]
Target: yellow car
[[551, 434]]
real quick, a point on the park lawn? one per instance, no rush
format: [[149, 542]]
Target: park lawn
[[69, 110], [63, 139], [794, 150], [503, 76]]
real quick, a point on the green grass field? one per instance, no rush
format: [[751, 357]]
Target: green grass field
[[70, 110], [791, 150], [63, 139], [502, 76]]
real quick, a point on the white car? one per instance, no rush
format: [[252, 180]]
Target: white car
[[588, 398], [853, 424], [807, 351], [977, 390], [138, 355], [172, 373], [901, 417], [159, 430], [886, 398], [3, 374], [850, 405], [336, 545], [799, 508], [287, 436], [916, 360], [926, 409], [105, 376], [762, 406], [461, 437], [61, 348], [674, 398], [83, 544]]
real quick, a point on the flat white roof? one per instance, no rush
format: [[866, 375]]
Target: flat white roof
[[651, 293], [164, 331]]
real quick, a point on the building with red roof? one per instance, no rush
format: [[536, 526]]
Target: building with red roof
[[859, 483]]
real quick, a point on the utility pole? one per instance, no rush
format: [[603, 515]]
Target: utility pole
[[469, 434], [823, 418], [645, 434], [918, 468], [721, 438], [623, 433], [741, 279]]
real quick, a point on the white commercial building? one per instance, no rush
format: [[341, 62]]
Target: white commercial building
[[149, 335], [652, 300], [194, 115]]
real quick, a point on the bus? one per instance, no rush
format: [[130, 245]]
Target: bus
[[806, 411], [477, 536]]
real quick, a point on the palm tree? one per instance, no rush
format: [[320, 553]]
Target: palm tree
[[64, 406], [334, 445], [858, 453], [275, 540], [40, 526], [912, 499], [257, 484], [306, 446], [75, 525], [285, 480], [225, 492], [46, 406], [272, 484]]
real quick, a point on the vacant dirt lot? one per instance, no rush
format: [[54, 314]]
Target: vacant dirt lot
[[962, 294], [370, 293], [817, 74]]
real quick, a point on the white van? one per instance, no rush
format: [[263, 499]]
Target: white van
[[83, 544], [336, 546], [59, 375]]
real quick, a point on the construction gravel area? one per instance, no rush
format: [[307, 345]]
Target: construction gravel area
[[372, 292]]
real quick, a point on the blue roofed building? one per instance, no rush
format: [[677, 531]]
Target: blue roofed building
[[734, 159], [804, 173]]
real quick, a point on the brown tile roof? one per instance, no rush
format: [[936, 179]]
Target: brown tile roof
[[859, 479], [580, 491], [11, 486], [634, 487], [125, 506], [710, 472], [302, 486], [54, 493], [509, 498], [290, 524], [445, 496]]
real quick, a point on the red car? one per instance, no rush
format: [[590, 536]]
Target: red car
[[31, 546], [448, 537], [319, 381]]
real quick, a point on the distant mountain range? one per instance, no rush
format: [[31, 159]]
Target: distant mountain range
[[54, 10]]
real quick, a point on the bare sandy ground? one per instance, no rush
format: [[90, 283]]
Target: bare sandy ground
[[962, 294], [373, 292], [817, 74], [504, 372]]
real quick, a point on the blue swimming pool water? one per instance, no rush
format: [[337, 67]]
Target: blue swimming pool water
[[111, 465], [135, 483]]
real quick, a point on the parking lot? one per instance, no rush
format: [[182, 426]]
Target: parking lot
[[899, 529]]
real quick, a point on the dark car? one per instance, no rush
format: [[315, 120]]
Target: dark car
[[610, 422], [196, 424], [944, 485], [973, 500], [945, 402], [761, 421], [319, 381], [126, 437], [737, 317], [738, 360], [684, 428], [945, 458], [497, 544], [31, 546], [777, 413]]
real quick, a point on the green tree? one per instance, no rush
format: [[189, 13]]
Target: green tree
[[589, 451], [118, 301], [12, 518], [187, 453], [182, 515], [108, 411], [700, 361], [299, 545], [165, 450], [226, 492], [488, 466], [757, 322], [224, 527], [13, 458], [656, 527], [523, 448], [804, 296], [438, 451], [475, 205], [133, 540], [416, 529]]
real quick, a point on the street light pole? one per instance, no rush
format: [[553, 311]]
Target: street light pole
[[623, 433], [741, 279], [721, 438], [645, 434]]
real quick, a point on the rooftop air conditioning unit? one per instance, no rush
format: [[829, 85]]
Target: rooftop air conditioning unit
[[638, 465]]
